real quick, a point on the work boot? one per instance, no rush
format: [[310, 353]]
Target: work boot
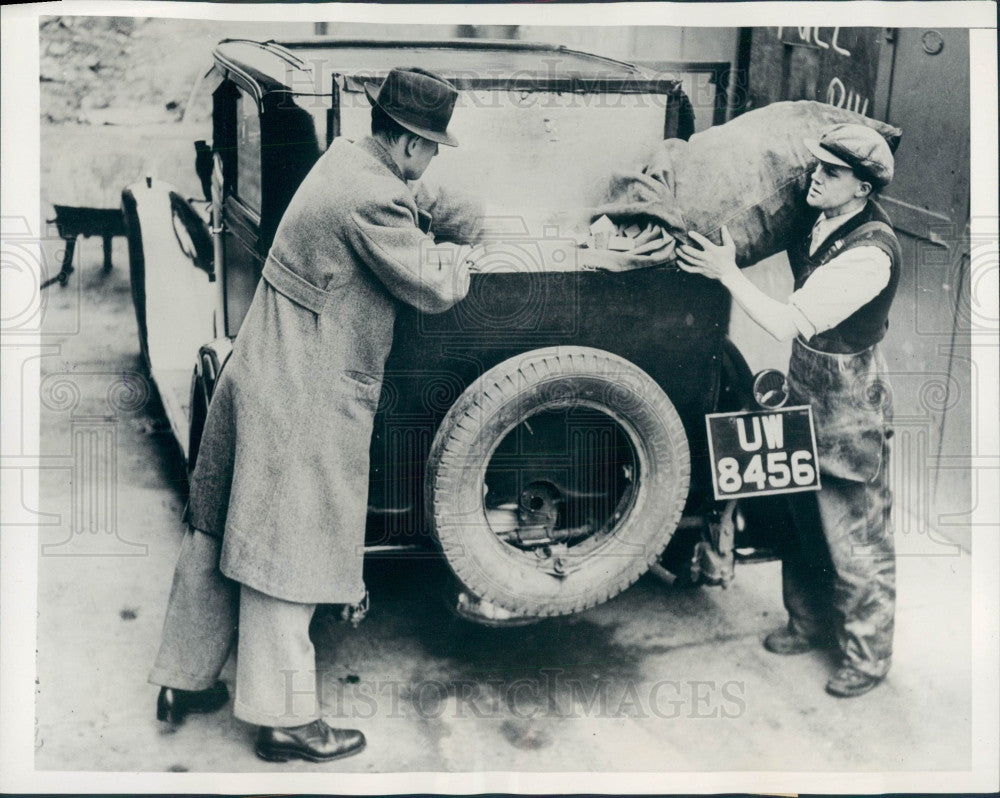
[[786, 642], [315, 741], [849, 682], [172, 704]]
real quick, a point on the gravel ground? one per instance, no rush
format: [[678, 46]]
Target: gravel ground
[[117, 101], [133, 70]]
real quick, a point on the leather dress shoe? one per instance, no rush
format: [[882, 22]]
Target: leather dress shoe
[[787, 642], [173, 704], [315, 741], [849, 682]]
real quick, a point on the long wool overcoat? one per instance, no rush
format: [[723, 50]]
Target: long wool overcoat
[[282, 472]]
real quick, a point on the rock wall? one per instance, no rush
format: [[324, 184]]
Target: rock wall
[[117, 101]]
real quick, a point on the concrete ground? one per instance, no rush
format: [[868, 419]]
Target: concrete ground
[[659, 679]]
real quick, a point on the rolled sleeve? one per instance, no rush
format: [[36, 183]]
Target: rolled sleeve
[[839, 288]]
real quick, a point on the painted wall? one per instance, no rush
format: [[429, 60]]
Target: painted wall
[[649, 45]]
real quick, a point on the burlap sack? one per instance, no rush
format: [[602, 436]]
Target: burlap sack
[[750, 174]]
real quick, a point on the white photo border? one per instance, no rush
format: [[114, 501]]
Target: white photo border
[[20, 193]]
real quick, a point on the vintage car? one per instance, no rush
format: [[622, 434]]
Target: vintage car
[[547, 435]]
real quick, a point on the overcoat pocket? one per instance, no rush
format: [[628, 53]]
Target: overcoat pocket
[[362, 387]]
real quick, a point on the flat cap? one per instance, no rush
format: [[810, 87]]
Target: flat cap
[[857, 147]]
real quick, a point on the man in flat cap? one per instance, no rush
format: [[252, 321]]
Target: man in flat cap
[[839, 569], [279, 493]]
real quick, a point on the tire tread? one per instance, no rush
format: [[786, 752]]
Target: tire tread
[[485, 398]]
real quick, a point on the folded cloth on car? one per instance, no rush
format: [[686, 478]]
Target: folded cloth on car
[[750, 174]]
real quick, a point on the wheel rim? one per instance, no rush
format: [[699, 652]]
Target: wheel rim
[[554, 500]]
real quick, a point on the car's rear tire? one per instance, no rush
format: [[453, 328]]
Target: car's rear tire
[[590, 386]]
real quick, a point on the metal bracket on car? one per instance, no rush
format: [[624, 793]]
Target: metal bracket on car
[[713, 562], [355, 613]]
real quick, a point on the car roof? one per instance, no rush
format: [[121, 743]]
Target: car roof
[[311, 65]]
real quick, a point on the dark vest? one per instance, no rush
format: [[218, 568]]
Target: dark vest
[[866, 326]]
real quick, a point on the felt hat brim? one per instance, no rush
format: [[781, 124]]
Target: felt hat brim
[[431, 135]]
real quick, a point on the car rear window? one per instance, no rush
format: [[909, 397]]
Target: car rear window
[[542, 158]]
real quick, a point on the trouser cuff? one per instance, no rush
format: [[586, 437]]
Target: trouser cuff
[[252, 715], [875, 668], [179, 680]]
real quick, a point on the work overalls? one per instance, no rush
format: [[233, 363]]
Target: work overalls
[[838, 571]]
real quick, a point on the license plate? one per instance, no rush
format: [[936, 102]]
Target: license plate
[[762, 452]]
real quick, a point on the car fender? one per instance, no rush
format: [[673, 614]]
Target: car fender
[[212, 358], [176, 299]]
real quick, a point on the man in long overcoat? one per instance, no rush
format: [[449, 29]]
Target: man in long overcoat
[[279, 492]]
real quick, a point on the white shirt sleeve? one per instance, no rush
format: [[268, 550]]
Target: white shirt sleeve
[[838, 288]]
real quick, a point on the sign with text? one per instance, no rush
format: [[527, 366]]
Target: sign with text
[[763, 452], [838, 66]]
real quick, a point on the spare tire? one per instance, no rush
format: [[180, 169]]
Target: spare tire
[[556, 479]]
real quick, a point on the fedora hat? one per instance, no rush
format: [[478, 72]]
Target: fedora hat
[[420, 101]]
